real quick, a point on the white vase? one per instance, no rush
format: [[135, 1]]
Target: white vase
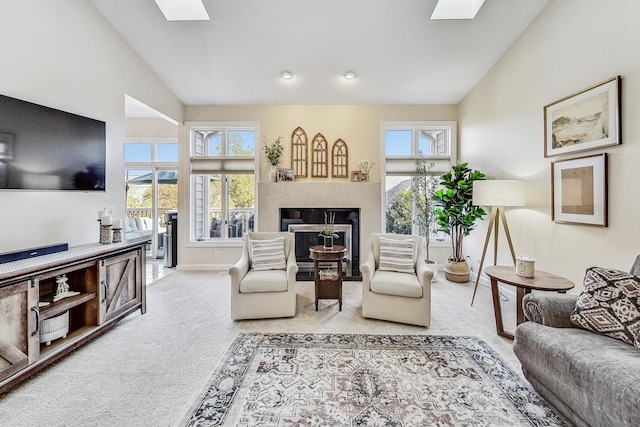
[[273, 174]]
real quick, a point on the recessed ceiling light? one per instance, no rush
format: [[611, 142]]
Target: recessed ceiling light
[[350, 74], [183, 10], [286, 74], [456, 9]]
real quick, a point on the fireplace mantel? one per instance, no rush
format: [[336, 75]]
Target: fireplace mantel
[[327, 194]]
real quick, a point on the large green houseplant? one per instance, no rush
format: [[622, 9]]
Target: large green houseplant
[[457, 216]]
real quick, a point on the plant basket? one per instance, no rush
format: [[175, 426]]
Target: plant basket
[[456, 271]]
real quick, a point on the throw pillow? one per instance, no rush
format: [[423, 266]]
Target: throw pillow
[[267, 254], [396, 255], [610, 304]]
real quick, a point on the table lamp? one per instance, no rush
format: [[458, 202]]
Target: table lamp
[[497, 194]]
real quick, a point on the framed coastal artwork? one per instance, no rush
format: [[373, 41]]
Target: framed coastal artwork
[[584, 120], [579, 190]]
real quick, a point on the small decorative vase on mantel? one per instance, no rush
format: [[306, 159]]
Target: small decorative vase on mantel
[[273, 174]]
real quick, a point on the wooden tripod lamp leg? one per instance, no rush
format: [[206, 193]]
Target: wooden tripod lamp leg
[[492, 224]]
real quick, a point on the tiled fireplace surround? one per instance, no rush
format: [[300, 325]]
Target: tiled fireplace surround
[[364, 196]]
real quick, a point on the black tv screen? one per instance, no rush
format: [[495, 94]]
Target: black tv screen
[[42, 148]]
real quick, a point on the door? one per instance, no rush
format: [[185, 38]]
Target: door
[[118, 278], [19, 337]]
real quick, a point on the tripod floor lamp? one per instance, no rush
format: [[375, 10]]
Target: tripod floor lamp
[[497, 194]]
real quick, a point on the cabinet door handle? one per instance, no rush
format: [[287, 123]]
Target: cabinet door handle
[[105, 288], [36, 310]]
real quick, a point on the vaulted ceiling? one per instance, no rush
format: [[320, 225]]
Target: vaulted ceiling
[[400, 55]]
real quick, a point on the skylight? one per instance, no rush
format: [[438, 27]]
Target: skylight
[[456, 9], [183, 10]]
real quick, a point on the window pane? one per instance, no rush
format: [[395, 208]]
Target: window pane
[[215, 205], [398, 203], [215, 143], [424, 144], [398, 142], [137, 152], [241, 143], [241, 204], [167, 153]]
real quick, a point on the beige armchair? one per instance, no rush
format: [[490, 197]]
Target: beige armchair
[[399, 290], [264, 278]]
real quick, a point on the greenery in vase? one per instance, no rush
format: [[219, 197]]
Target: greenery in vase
[[423, 190], [274, 151], [455, 213], [329, 220]]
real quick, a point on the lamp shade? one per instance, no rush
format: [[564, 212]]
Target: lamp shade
[[498, 192]]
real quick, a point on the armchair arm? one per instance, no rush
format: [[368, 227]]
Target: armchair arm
[[368, 268], [424, 273], [550, 309], [292, 267], [238, 271]]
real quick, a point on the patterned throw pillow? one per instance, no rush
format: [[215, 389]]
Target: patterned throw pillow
[[610, 304], [267, 254], [396, 255]]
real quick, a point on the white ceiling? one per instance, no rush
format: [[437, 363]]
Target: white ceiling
[[401, 56]]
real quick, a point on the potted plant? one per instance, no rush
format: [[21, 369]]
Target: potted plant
[[456, 215], [423, 190], [273, 153], [328, 234]]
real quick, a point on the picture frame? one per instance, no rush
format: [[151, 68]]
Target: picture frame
[[584, 120], [355, 175], [579, 190], [286, 175]]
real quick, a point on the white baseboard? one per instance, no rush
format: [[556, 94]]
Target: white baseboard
[[508, 291]]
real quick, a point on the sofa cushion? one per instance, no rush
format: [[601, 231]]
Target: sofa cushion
[[264, 281], [394, 283], [267, 254], [130, 225], [610, 304], [397, 255]]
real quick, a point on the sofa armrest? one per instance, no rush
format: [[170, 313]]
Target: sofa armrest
[[368, 268], [238, 271], [550, 309]]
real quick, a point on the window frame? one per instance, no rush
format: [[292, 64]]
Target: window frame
[[200, 165], [404, 165]]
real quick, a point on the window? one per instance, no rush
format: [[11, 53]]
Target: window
[[404, 143], [223, 181], [151, 176]]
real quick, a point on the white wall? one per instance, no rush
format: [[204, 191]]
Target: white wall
[[357, 125], [572, 45], [64, 55]]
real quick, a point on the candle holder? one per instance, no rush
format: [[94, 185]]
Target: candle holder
[[117, 235], [105, 234]]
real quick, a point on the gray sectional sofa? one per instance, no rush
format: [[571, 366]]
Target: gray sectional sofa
[[591, 379]]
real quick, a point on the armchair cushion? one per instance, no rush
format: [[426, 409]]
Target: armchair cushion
[[394, 283], [267, 254], [264, 281], [609, 304], [397, 255]]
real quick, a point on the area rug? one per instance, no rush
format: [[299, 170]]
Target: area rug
[[366, 380]]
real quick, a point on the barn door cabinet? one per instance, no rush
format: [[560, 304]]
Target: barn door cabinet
[[37, 326]]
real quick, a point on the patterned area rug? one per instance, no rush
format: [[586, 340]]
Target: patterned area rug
[[366, 380]]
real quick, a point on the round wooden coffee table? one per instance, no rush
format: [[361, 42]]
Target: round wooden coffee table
[[541, 281], [330, 288]]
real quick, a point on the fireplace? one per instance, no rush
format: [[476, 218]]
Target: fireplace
[[306, 224]]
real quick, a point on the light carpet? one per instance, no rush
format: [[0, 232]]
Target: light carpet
[[366, 380], [149, 369]]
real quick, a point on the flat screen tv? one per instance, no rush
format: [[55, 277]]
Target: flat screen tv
[[42, 148]]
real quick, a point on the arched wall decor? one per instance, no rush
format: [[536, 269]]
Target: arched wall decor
[[299, 161], [339, 159], [319, 157]]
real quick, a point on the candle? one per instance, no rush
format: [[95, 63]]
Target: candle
[[105, 220], [117, 223], [102, 213]]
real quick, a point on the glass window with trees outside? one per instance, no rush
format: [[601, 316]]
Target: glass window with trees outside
[[223, 182], [406, 147]]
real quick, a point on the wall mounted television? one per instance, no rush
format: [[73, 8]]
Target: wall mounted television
[[42, 148]]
